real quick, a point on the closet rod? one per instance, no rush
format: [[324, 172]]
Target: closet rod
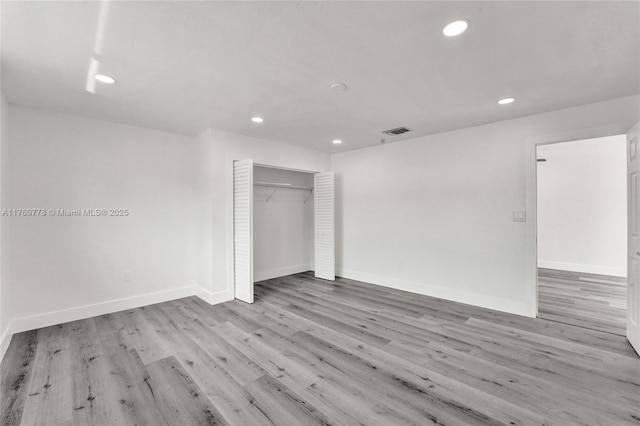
[[282, 185]]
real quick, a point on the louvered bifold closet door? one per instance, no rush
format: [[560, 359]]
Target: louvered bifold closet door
[[325, 263], [243, 230]]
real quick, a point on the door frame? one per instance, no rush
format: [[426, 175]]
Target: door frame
[[229, 199], [531, 231]]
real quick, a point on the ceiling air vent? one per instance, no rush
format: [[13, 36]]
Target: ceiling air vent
[[397, 131]]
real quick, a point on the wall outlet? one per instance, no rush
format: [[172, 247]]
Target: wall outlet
[[128, 275], [520, 216]]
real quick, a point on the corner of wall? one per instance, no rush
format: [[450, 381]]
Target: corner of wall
[[6, 331], [5, 340], [213, 298]]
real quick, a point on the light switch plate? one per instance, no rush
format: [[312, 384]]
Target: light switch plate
[[519, 216]]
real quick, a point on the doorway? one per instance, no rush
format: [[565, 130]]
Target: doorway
[[582, 233]]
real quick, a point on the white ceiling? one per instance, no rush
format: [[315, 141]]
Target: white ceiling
[[187, 66]]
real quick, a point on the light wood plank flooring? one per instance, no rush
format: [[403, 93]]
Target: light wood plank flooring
[[316, 352], [598, 302]]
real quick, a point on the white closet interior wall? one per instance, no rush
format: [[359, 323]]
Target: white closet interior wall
[[283, 225]]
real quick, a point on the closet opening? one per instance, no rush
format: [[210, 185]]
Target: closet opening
[[283, 224]]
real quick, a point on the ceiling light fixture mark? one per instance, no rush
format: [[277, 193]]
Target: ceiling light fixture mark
[[103, 16], [338, 87], [337, 141], [505, 101], [91, 81], [257, 119]]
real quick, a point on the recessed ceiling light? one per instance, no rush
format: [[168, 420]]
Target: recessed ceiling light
[[338, 86], [102, 78], [505, 101], [257, 119], [337, 141], [456, 28]]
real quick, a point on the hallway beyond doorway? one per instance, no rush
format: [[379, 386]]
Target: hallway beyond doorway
[[597, 302]]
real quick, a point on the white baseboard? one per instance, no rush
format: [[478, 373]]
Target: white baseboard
[[587, 269], [5, 340], [280, 272], [88, 311], [213, 298], [469, 298]]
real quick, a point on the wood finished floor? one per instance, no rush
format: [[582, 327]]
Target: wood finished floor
[[598, 302], [315, 352]]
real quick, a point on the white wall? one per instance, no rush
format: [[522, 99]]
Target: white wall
[[174, 243], [433, 215], [282, 226], [5, 289], [582, 206], [216, 151], [65, 267]]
